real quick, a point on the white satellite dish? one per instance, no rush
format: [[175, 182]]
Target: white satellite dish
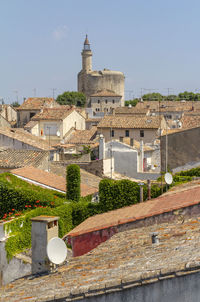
[[168, 178], [56, 250]]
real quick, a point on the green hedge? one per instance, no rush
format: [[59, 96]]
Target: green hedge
[[114, 194], [191, 172], [73, 180]]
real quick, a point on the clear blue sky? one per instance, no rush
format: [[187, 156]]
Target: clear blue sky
[[154, 42]]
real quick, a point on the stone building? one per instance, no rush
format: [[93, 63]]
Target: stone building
[[91, 81]]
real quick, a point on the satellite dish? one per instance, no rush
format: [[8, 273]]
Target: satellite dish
[[168, 178], [56, 250]]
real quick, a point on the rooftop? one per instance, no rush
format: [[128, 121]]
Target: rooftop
[[57, 113], [25, 137], [130, 110], [128, 259], [140, 122], [19, 158], [160, 205], [35, 103], [50, 180], [83, 136]]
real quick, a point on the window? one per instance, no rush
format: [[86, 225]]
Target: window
[[141, 133], [98, 101], [106, 101], [112, 133], [113, 101], [32, 114], [127, 133], [121, 139]]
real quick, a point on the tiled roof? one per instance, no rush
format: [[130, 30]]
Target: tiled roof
[[190, 121], [19, 158], [140, 122], [130, 110], [83, 136], [169, 105], [36, 103], [30, 124], [49, 179], [127, 260], [57, 113], [25, 137], [163, 204], [105, 92]]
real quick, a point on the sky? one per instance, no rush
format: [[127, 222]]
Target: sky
[[154, 42]]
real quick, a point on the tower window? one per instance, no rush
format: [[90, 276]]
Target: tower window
[[106, 101], [113, 101], [141, 133], [98, 101], [127, 133]]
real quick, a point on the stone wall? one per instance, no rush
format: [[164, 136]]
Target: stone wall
[[174, 287], [80, 243], [94, 167], [183, 147]]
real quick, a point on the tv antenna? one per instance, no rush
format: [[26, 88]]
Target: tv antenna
[[56, 250]]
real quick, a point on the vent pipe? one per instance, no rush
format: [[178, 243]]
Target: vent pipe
[[154, 238]]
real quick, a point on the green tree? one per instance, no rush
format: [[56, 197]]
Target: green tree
[[132, 102], [72, 98], [155, 96], [15, 104], [73, 182]]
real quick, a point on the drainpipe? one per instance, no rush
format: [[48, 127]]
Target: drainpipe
[[149, 189], [141, 156]]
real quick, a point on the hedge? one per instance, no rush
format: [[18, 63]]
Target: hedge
[[73, 180]]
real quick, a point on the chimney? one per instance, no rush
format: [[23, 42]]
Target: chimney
[[43, 229], [101, 147]]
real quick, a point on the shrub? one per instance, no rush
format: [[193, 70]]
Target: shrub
[[73, 180], [114, 194]]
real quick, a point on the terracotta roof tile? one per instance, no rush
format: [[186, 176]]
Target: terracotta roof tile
[[59, 113], [36, 103], [165, 203], [19, 158], [141, 122], [49, 179], [130, 110], [83, 136], [127, 259], [25, 137]]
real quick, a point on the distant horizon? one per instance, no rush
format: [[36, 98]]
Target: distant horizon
[[155, 45]]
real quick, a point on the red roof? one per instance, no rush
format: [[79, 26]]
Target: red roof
[[153, 207]]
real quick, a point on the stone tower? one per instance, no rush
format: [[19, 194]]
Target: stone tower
[[86, 56], [92, 81]]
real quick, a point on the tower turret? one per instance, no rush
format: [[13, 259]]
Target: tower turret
[[86, 56]]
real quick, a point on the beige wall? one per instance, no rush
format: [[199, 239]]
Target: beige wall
[[4, 122], [149, 134], [9, 113], [23, 116], [73, 120]]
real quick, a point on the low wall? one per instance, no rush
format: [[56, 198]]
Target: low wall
[[84, 243]]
